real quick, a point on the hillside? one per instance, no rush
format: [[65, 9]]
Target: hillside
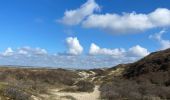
[[146, 79], [155, 62]]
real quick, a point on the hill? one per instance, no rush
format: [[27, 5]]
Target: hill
[[155, 62], [146, 79]]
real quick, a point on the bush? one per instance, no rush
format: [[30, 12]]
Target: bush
[[84, 86], [120, 89], [15, 94], [131, 90]]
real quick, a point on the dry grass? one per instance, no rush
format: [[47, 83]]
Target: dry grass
[[21, 83]]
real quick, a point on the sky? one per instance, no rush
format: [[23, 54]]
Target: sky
[[81, 33]]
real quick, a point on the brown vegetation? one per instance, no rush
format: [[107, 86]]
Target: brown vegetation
[[147, 79], [21, 83]]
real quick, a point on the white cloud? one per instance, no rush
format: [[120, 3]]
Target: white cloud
[[8, 52], [40, 51], [74, 47], [124, 23], [164, 44], [74, 17], [160, 17], [31, 51], [96, 50], [136, 51], [37, 57], [23, 52], [129, 22], [64, 61], [27, 51], [114, 23]]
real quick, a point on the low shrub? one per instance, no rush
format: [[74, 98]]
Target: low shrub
[[85, 86], [123, 89], [15, 94]]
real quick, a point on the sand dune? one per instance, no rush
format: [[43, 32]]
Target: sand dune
[[78, 96]]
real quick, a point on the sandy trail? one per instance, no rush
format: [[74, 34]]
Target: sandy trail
[[79, 96]]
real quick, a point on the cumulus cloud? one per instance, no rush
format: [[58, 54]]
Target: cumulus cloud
[[99, 57], [74, 46], [129, 22], [31, 51], [96, 50], [164, 44], [8, 52], [114, 23], [22, 52], [74, 17], [63, 61], [160, 17], [136, 51], [28, 51], [124, 23], [37, 57]]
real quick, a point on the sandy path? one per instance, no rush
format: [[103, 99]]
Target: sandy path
[[79, 96]]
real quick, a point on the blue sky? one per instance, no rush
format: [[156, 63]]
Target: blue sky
[[105, 25]]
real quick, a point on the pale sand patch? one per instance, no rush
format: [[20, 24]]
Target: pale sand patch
[[95, 95]]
